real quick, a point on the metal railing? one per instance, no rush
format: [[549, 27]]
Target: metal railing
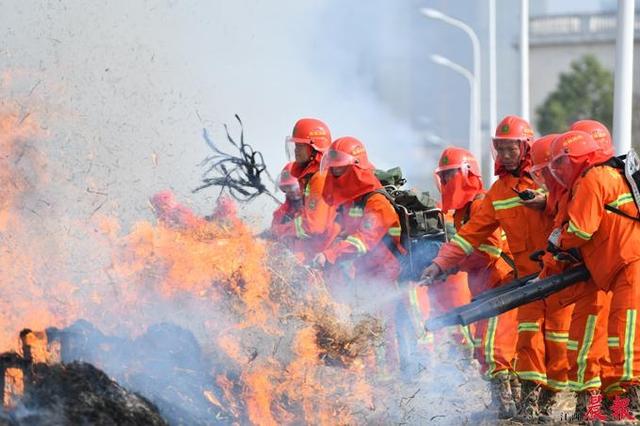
[[591, 27]]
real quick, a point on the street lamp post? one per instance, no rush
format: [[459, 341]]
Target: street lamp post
[[475, 145], [493, 96], [441, 60], [524, 59], [623, 84]]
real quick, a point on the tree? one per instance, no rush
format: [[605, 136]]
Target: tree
[[585, 92]]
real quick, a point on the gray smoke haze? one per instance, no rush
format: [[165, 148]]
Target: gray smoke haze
[[129, 85], [121, 91]]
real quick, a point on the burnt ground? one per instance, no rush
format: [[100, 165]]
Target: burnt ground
[[78, 394]]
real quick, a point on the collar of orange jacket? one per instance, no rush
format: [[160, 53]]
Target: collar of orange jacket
[[354, 183], [301, 171]]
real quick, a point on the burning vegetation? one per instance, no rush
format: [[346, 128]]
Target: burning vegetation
[[198, 316]]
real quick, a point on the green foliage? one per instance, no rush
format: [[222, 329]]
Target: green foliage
[[585, 92]]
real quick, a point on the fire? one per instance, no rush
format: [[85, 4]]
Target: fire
[[260, 315]]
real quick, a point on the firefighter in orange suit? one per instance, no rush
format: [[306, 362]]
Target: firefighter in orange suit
[[460, 183], [314, 226], [365, 253], [600, 223], [291, 207], [587, 344], [526, 225]]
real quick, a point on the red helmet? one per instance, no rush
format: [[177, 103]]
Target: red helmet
[[512, 129], [458, 177], [308, 131], [598, 132], [346, 151], [287, 183], [540, 157], [572, 152], [453, 158]]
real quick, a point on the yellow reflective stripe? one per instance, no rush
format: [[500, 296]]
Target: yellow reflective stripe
[[528, 326], [300, 232], [556, 385], [590, 384], [462, 243], [307, 189], [490, 250], [416, 314], [613, 342], [629, 342], [356, 212], [395, 231], [503, 236], [572, 345], [622, 200], [573, 229], [357, 242], [586, 347], [532, 375], [553, 336], [466, 332], [426, 338], [489, 345], [507, 203], [614, 388]]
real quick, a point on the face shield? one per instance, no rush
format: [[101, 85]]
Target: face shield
[[336, 159], [563, 170], [298, 150]]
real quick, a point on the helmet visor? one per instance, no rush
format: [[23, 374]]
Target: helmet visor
[[336, 159], [290, 145], [562, 169], [538, 175]]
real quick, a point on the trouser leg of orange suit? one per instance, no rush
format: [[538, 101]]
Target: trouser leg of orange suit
[[541, 352], [497, 347], [530, 364], [624, 331], [587, 345], [557, 321], [450, 294]]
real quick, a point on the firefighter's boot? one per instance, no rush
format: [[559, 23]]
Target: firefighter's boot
[[501, 396], [516, 388], [633, 392], [547, 402], [529, 409]]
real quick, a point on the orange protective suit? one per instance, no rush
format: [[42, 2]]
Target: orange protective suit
[[526, 230], [370, 235], [313, 227], [359, 251], [609, 246], [495, 338], [587, 341]]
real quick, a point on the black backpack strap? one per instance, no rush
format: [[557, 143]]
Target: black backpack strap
[[618, 163], [509, 262], [620, 212], [387, 239]]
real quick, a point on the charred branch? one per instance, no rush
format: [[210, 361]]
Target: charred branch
[[240, 174]]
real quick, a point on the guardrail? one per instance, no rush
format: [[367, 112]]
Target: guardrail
[[579, 28]]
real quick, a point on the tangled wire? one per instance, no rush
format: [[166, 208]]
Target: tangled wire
[[240, 175]]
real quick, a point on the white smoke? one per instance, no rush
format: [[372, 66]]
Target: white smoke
[[131, 84]]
